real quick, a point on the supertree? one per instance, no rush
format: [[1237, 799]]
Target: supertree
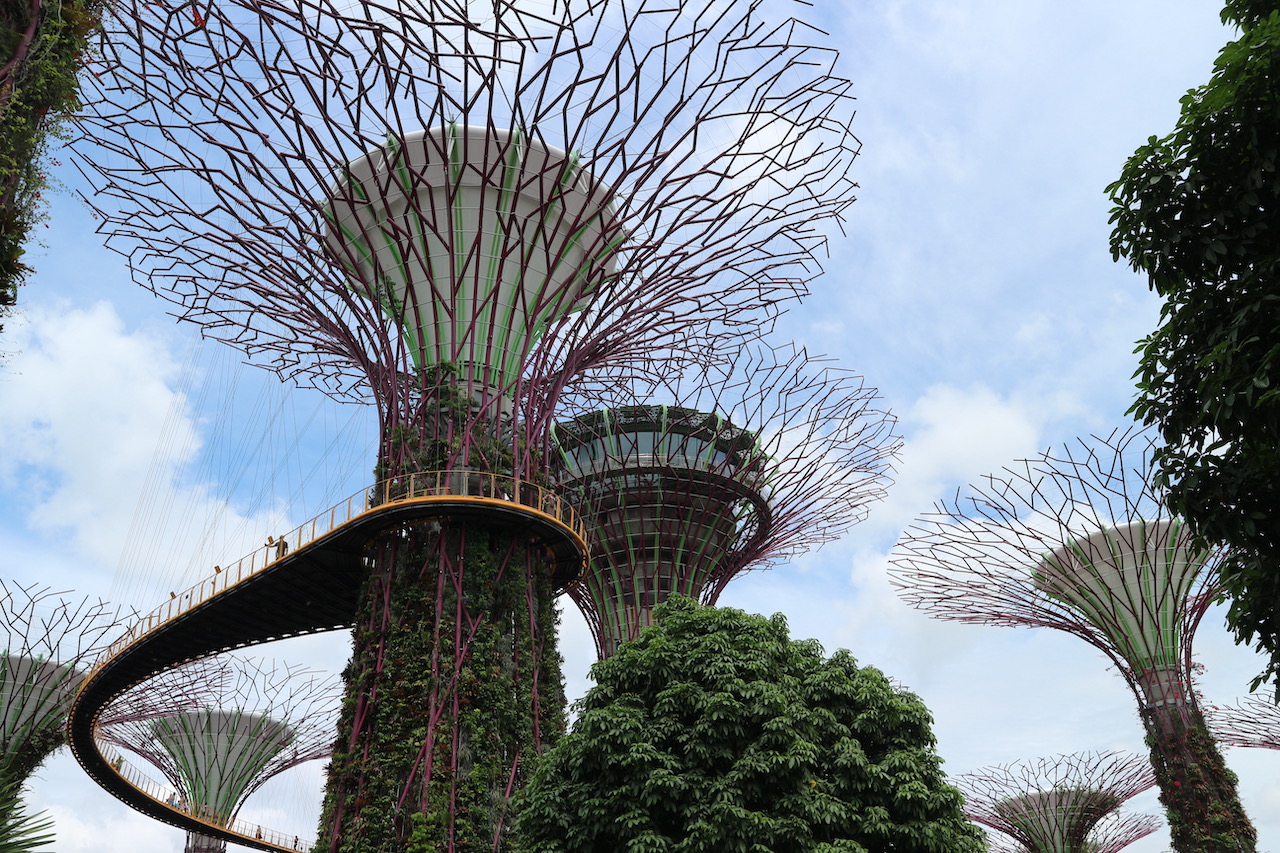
[[1062, 804], [47, 640], [1252, 722], [260, 719], [757, 461], [455, 211], [1073, 540]]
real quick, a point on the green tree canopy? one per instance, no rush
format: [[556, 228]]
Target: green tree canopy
[[42, 47], [714, 732], [1198, 211]]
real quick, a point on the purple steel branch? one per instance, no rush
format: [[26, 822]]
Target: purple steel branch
[[38, 622], [1062, 804], [193, 685], [216, 135], [47, 639], [1251, 722], [769, 454]]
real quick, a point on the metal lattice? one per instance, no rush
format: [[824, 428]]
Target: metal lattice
[[1062, 804], [258, 719], [48, 638], [748, 466]]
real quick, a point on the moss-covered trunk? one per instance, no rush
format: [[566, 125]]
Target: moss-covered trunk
[[453, 689], [1197, 790]]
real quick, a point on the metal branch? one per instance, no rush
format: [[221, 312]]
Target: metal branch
[[1062, 804], [1251, 722], [740, 467], [48, 639], [1070, 540]]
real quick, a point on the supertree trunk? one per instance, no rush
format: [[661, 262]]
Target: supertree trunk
[[453, 689], [1197, 790]]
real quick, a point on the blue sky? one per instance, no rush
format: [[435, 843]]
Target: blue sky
[[973, 286]]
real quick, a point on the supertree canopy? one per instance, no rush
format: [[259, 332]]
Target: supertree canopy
[[363, 196], [767, 456], [456, 211], [261, 719], [1134, 583], [1074, 541], [1063, 804], [47, 639], [1251, 722]]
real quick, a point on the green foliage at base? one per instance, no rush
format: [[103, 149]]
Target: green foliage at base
[[1197, 790], [1198, 211], [21, 832], [402, 713], [40, 94], [714, 732]]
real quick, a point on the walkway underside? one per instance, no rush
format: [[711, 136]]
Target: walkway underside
[[310, 589]]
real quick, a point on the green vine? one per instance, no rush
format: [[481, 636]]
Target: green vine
[[444, 430], [1197, 790], [507, 703], [41, 45]]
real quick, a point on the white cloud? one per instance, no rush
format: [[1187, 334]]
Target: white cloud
[[84, 409]]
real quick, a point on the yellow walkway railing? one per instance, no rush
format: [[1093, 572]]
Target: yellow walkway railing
[[171, 798], [421, 487], [425, 488]]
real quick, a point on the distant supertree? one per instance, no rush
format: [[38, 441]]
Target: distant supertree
[[264, 719], [1252, 722], [1073, 540], [1062, 804], [47, 638], [455, 211], [751, 464]]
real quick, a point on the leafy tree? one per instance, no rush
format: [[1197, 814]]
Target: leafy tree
[[42, 45], [21, 832], [1198, 211], [715, 732]]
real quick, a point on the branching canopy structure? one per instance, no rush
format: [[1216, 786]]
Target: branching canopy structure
[[1063, 804], [47, 639], [266, 718], [1070, 540], [1073, 540], [352, 192], [760, 461], [1251, 722]]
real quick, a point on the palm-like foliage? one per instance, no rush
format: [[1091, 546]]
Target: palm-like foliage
[[21, 832]]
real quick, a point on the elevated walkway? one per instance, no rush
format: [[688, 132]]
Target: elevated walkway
[[306, 582]]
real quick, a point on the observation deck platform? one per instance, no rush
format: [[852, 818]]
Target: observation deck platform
[[308, 582]]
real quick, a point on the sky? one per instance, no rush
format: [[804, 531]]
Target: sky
[[973, 286]]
